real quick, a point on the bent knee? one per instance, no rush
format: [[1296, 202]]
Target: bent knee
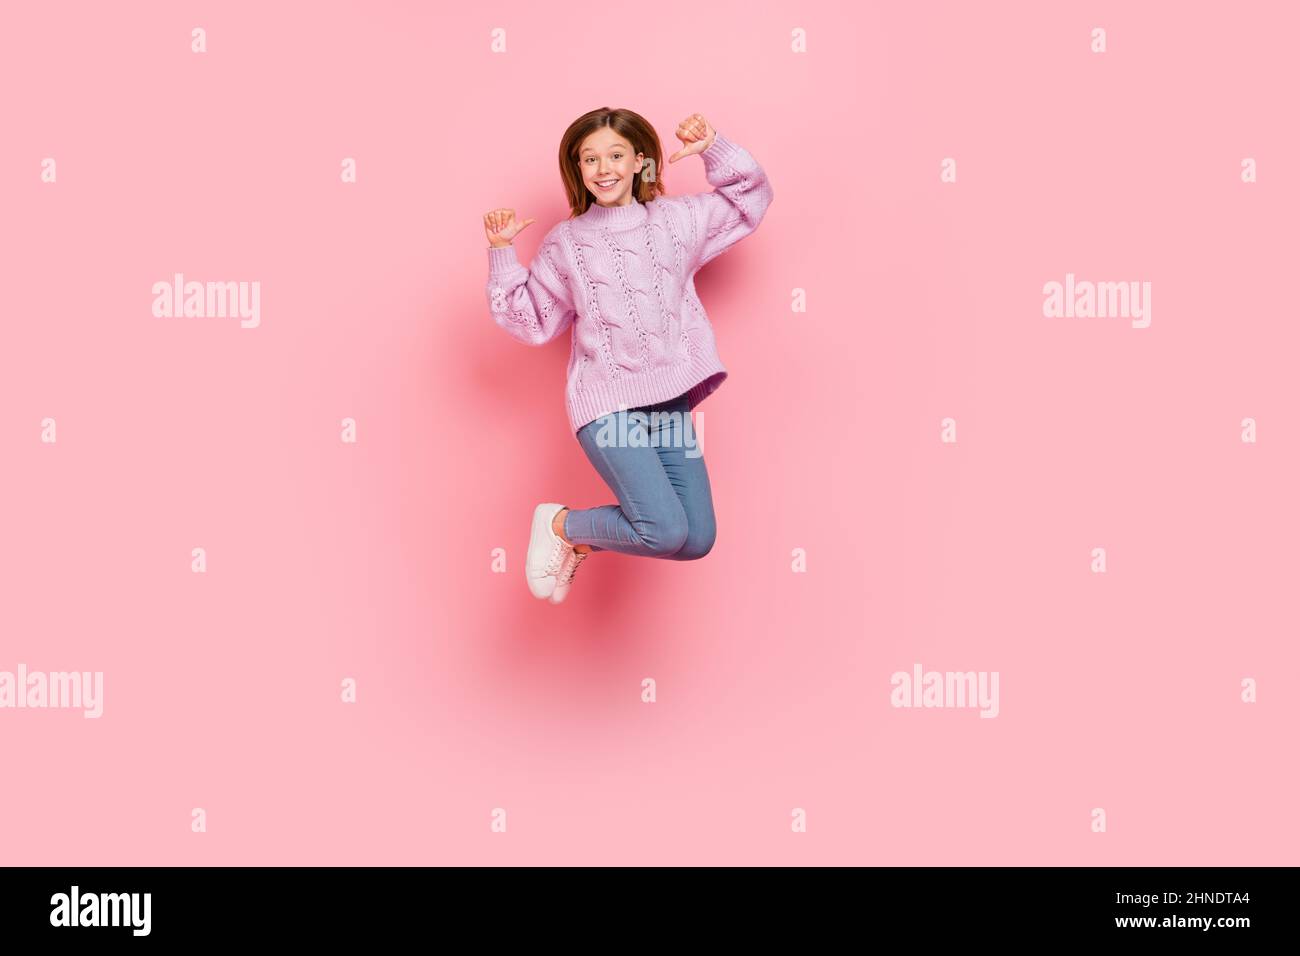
[[665, 536], [698, 543]]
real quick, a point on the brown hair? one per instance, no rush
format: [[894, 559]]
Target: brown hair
[[633, 128]]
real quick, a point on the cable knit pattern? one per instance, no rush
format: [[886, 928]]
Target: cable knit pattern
[[623, 278]]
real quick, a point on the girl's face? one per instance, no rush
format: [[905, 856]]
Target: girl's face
[[608, 166]]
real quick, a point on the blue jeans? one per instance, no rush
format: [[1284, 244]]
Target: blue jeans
[[665, 505]]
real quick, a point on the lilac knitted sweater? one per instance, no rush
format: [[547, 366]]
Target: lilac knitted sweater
[[624, 278]]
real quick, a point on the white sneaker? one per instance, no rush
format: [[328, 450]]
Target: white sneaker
[[565, 578], [546, 552]]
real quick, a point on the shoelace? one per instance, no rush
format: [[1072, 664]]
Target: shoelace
[[555, 563], [567, 572]]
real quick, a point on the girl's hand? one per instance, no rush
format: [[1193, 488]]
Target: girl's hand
[[697, 135], [501, 227]]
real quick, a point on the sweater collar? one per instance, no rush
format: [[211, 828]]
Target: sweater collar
[[631, 214]]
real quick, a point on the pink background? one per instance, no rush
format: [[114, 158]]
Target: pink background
[[373, 561]]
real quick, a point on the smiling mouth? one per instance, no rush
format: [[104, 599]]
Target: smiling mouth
[[606, 183]]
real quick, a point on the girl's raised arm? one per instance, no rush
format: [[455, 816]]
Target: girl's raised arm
[[735, 207], [533, 305]]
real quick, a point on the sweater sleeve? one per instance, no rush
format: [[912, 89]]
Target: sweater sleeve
[[532, 305], [735, 207]]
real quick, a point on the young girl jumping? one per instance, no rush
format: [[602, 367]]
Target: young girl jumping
[[621, 270]]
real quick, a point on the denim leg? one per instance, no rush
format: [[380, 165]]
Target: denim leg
[[684, 466], [665, 507]]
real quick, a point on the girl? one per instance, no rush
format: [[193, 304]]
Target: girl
[[621, 270]]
